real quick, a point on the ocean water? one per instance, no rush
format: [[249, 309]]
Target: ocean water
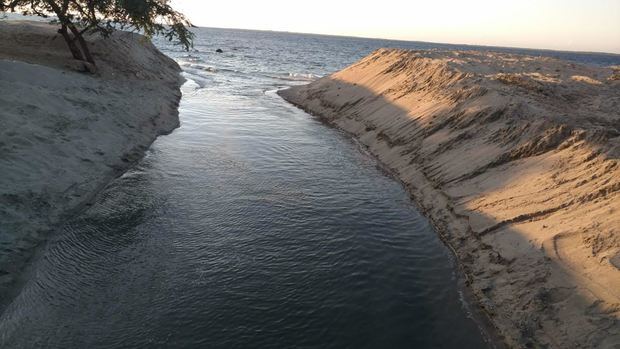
[[269, 56], [253, 225]]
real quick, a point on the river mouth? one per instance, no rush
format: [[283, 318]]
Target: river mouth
[[251, 225]]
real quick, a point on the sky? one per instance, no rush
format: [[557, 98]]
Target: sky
[[574, 25]]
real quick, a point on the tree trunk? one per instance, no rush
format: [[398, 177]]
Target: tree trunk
[[83, 44], [75, 51], [61, 13]]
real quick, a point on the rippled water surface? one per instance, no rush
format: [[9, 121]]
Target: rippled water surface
[[252, 225]]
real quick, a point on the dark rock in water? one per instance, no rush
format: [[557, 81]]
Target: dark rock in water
[[219, 50]]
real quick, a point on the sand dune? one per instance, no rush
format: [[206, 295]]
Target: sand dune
[[65, 134], [515, 159]]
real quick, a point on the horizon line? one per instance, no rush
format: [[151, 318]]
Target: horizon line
[[410, 40], [359, 37]]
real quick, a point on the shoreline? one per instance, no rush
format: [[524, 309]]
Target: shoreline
[[471, 303], [481, 318], [391, 102], [14, 288], [68, 133]]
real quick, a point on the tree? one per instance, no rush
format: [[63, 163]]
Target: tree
[[77, 17]]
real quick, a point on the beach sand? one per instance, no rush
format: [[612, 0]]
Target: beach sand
[[65, 134], [515, 159]]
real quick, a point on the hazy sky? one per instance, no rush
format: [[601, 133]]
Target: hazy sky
[[578, 25]]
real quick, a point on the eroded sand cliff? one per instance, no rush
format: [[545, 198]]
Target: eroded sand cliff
[[65, 134], [516, 160]]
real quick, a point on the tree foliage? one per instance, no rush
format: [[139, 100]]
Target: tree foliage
[[76, 17]]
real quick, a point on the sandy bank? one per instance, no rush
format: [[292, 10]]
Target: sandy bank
[[515, 159], [65, 134]]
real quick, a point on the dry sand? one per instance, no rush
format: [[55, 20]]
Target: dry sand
[[65, 134], [515, 159]]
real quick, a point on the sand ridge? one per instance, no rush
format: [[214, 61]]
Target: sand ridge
[[515, 159], [65, 134]]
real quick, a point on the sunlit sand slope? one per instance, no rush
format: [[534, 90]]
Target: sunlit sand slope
[[516, 161]]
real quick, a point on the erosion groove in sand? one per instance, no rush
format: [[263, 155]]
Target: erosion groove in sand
[[516, 161], [64, 133]]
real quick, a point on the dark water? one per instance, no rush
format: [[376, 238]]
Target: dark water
[[251, 226]]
